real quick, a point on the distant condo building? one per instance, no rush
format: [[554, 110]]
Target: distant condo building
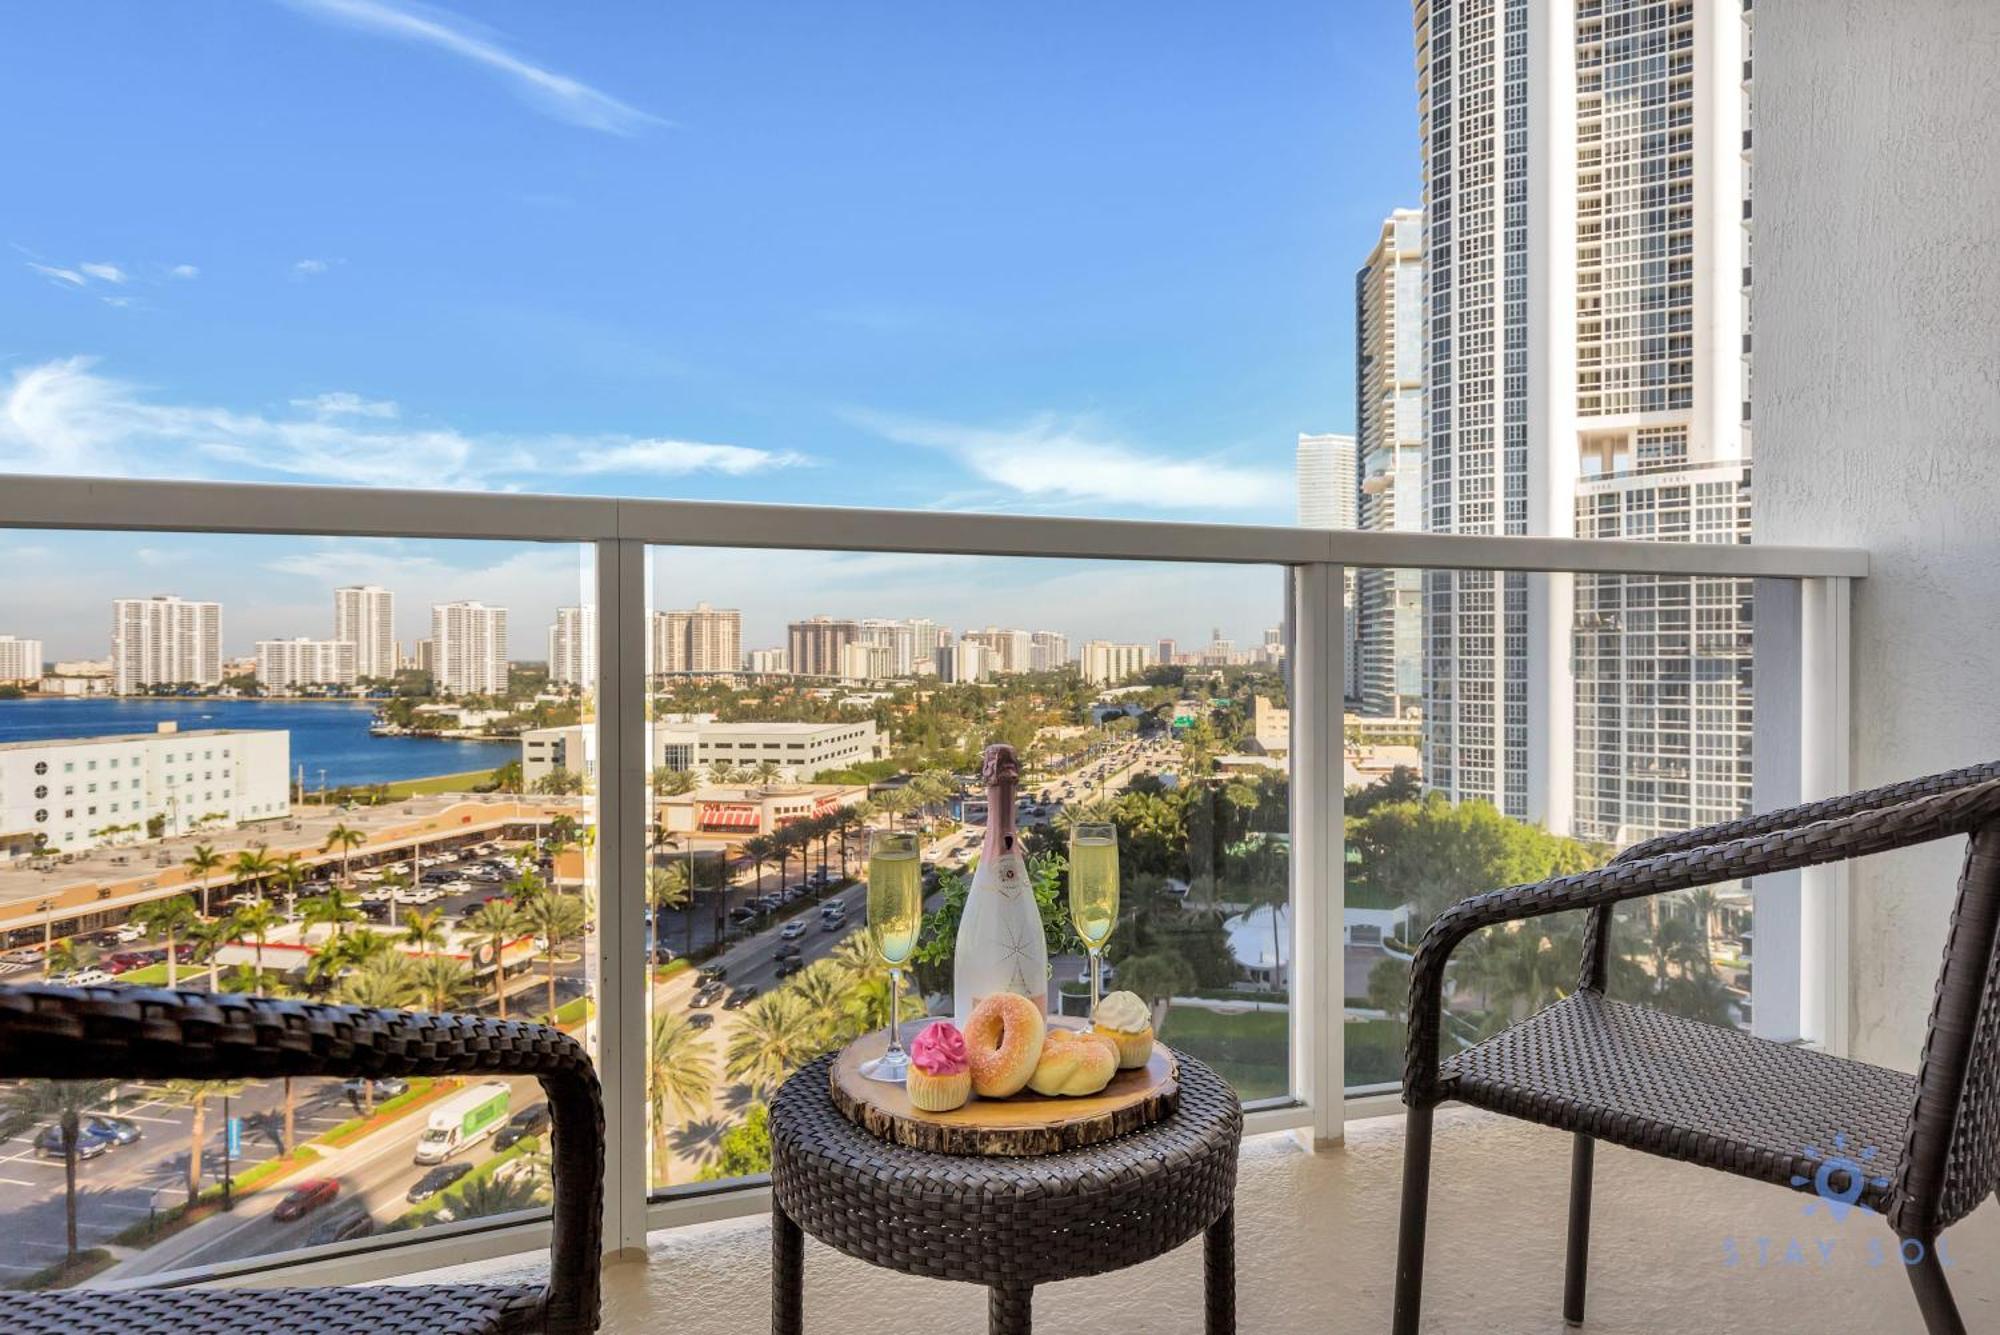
[[1585, 273], [1048, 651], [866, 660], [699, 742], [469, 648], [767, 662], [573, 647], [364, 615], [1329, 483], [1105, 663], [164, 641], [77, 793], [1166, 652], [700, 640], [1010, 651], [962, 661], [897, 640], [284, 665], [1389, 435], [814, 645], [20, 660]]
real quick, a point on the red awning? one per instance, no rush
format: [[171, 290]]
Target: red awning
[[728, 816]]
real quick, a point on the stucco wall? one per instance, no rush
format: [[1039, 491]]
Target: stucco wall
[[1876, 306]]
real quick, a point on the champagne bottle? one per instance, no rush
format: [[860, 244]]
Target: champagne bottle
[[1000, 943]]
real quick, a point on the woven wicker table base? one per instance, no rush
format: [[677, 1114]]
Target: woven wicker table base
[[1007, 1224]]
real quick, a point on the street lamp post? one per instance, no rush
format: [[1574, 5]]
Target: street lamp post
[[228, 1171]]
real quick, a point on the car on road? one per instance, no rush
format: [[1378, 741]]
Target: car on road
[[787, 967], [740, 998], [306, 1197], [342, 1226], [122, 1130], [431, 1183], [527, 1122], [705, 996], [388, 1087], [89, 1143], [833, 922], [793, 930], [711, 973], [700, 1020], [743, 913]]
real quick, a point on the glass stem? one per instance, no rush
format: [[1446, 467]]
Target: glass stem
[[1096, 981], [895, 1015]]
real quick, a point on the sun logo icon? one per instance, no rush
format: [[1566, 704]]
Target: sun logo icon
[[1839, 1178]]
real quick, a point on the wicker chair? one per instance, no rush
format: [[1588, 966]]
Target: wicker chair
[[1623, 1073], [110, 1033]]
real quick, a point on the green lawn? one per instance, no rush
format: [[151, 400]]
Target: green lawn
[[442, 783], [1251, 1050], [1374, 1052]]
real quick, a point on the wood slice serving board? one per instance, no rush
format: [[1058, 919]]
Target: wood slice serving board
[[1028, 1123]]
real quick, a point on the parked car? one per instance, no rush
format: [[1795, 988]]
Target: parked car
[[431, 1183], [123, 962], [743, 913], [27, 956], [83, 978], [704, 996], [128, 932], [306, 1197], [712, 973], [532, 1121], [700, 1020], [89, 1142], [122, 1130], [388, 1087], [793, 930], [740, 998]]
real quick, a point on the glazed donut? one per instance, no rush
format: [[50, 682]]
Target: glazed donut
[[1003, 1042], [1074, 1062]]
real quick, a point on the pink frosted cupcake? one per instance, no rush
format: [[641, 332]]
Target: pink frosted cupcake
[[940, 1077]]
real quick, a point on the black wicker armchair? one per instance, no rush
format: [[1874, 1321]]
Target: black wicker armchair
[[1633, 1076], [140, 1034]]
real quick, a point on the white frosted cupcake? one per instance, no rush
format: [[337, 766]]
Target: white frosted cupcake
[[1128, 1022]]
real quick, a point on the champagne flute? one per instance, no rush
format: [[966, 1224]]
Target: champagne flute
[[1093, 894], [895, 913]]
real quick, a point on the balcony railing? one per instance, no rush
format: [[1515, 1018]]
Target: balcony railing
[[1800, 727]]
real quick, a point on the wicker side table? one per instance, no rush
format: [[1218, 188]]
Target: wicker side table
[[1008, 1224]]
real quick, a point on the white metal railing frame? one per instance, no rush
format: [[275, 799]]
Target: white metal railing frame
[[1806, 642]]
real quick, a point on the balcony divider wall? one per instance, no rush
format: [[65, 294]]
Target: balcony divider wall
[[1805, 589]]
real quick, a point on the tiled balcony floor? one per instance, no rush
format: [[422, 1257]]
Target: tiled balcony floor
[[1316, 1249]]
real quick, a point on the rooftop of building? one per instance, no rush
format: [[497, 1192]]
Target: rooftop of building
[[43, 743]]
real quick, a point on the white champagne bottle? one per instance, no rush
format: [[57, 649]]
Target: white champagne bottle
[[1000, 943]]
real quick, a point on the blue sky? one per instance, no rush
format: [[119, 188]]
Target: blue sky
[[1035, 258]]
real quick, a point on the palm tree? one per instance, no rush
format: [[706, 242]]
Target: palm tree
[[680, 1074], [201, 864], [208, 936], [256, 921], [442, 982], [492, 1194], [196, 1094], [897, 803], [774, 1037], [497, 922], [824, 989], [331, 908], [388, 982], [289, 872], [169, 918], [556, 919], [667, 888], [346, 838], [251, 866], [848, 819], [67, 956], [26, 1103], [766, 771], [760, 849], [423, 929]]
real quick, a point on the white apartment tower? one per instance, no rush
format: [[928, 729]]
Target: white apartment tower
[[1389, 439], [164, 641], [284, 665], [1048, 651], [573, 647], [469, 648], [364, 615], [1105, 662], [20, 660], [1584, 190]]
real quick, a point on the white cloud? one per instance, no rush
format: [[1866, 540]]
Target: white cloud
[[66, 418], [60, 275], [1055, 459], [307, 268], [184, 271], [109, 273], [560, 96], [341, 403], [119, 302], [675, 457]]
